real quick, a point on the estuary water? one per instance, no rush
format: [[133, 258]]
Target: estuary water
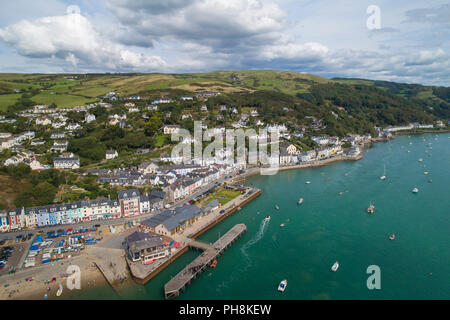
[[332, 225]]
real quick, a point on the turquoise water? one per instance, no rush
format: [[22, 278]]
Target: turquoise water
[[329, 227]]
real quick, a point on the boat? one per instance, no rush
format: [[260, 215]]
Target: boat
[[392, 237], [60, 290], [282, 225], [341, 193], [371, 209], [415, 190], [213, 264], [383, 177], [300, 201], [426, 172], [282, 285], [276, 207], [430, 181], [420, 160], [335, 266], [308, 182], [267, 218]]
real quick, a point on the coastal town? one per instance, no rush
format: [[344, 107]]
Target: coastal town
[[126, 210], [167, 178]]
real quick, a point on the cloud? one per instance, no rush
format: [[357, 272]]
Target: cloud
[[436, 15], [217, 23], [73, 39]]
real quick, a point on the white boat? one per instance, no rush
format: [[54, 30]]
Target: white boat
[[420, 160], [383, 177], [276, 207], [415, 190], [300, 201], [60, 290], [308, 182], [282, 286], [267, 218], [392, 237], [425, 173], [282, 225], [335, 266]]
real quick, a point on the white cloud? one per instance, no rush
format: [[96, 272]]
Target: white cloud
[[72, 38]]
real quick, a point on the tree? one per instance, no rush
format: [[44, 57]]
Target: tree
[[152, 126]]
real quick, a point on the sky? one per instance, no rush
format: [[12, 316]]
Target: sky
[[401, 41]]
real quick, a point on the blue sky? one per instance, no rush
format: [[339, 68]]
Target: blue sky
[[328, 38]]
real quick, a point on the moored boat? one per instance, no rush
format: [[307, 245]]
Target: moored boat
[[335, 266], [392, 237], [300, 201], [308, 182], [371, 209], [282, 285], [415, 190], [276, 207]]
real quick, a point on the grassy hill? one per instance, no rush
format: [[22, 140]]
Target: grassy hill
[[70, 90]]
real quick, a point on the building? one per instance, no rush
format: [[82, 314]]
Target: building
[[59, 146], [66, 163], [89, 118], [291, 149], [170, 129], [111, 154], [145, 247], [170, 222], [130, 202]]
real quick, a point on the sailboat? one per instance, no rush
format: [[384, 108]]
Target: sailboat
[[383, 177]]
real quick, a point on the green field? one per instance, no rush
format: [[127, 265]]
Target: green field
[[224, 196], [8, 99]]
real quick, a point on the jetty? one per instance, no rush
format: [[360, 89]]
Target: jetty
[[177, 284], [143, 273]]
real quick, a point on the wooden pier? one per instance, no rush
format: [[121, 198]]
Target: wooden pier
[[176, 285]]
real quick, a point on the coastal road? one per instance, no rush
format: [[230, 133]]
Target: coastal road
[[113, 222]]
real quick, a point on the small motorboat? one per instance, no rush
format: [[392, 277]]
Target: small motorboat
[[335, 266], [282, 286], [308, 182], [371, 209], [392, 237], [300, 201], [213, 264], [415, 190], [267, 218], [282, 225], [383, 178], [341, 193], [425, 173], [276, 207], [420, 160]]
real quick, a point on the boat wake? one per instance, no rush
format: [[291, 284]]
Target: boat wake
[[256, 238]]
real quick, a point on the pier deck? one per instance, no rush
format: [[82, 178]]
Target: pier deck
[[174, 287]]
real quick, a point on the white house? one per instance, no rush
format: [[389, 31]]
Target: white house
[[89, 118], [111, 154], [66, 163]]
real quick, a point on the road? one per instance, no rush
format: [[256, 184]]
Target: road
[[112, 222]]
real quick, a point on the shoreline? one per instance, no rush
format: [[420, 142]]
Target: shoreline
[[91, 275]]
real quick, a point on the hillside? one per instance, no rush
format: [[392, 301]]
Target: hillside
[[393, 102]]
